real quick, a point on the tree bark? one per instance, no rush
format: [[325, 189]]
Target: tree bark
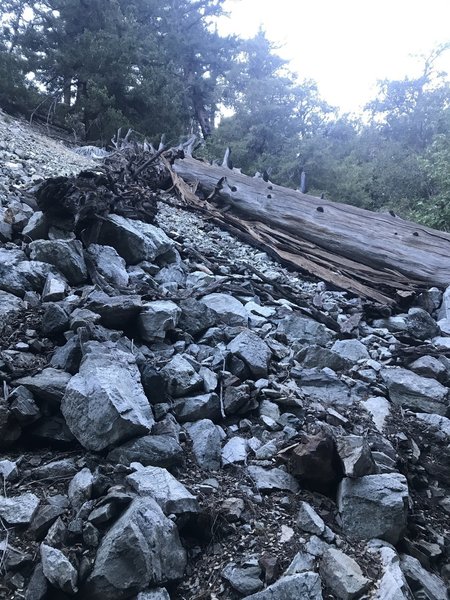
[[374, 255]]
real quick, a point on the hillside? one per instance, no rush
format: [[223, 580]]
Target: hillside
[[178, 422]]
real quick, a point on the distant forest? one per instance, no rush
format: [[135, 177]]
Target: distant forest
[[161, 67]]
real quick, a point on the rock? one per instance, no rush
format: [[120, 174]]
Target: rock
[[23, 407], [55, 320], [379, 409], [419, 578], [428, 366], [421, 325], [65, 255], [351, 350], [141, 549], [206, 443], [150, 450], [308, 520], [59, 570], [156, 318], [304, 330], [43, 519], [19, 275], [316, 462], [105, 403], [302, 561], [68, 357], [169, 493], [50, 384], [9, 470], [228, 308], [10, 307], [134, 240], [440, 425], [268, 480], [253, 351], [234, 451], [194, 408], [304, 586], [154, 384], [196, 317], [181, 377], [37, 586], [342, 575], [421, 393], [392, 584], [36, 228], [374, 506], [235, 399], [156, 594], [244, 579], [318, 357], [109, 264], [19, 510], [116, 311], [80, 488], [54, 289], [323, 385], [56, 469], [355, 455]]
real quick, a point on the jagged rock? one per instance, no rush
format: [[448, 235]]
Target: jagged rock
[[323, 385], [245, 579], [82, 317], [43, 519], [392, 583], [409, 389], [302, 561], [355, 455], [235, 399], [315, 356], [142, 548], [116, 311], [268, 480], [234, 451], [374, 506], [134, 240], [68, 357], [350, 350], [65, 255], [105, 403], [304, 585], [9, 470], [304, 330], [206, 443], [440, 425], [379, 409], [420, 579], [169, 493], [19, 275], [109, 264], [19, 510], [181, 377], [54, 289], [193, 408], [150, 450], [315, 462], [421, 325], [228, 308], [196, 317], [80, 488], [156, 318], [50, 384], [428, 366], [253, 351], [55, 320], [38, 585], [36, 228], [56, 469], [342, 575], [10, 307], [23, 407], [157, 594], [52, 429], [59, 570], [308, 520]]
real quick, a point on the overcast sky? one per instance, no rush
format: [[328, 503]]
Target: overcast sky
[[347, 45]]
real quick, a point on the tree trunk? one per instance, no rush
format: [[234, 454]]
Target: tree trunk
[[371, 254]]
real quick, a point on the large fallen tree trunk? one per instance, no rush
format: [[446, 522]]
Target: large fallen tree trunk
[[374, 255]]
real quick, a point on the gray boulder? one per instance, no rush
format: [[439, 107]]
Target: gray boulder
[[194, 408], [308, 520], [50, 384], [181, 377], [351, 350], [134, 240], [392, 583], [409, 389], [116, 311], [228, 308], [304, 330], [421, 581], [253, 351], [109, 264], [19, 275], [196, 317], [141, 549], [156, 318], [55, 289], [374, 506], [245, 579], [65, 255], [355, 456], [156, 594], [10, 307], [234, 451], [169, 493], [19, 510], [206, 443], [421, 325], [80, 488], [105, 403], [150, 450], [342, 575], [438, 424], [268, 480], [59, 570], [304, 586]]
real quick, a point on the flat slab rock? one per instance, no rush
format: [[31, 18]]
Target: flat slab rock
[[19, 510], [414, 391], [304, 586], [268, 480], [342, 574], [149, 450], [105, 403], [10, 306], [253, 351]]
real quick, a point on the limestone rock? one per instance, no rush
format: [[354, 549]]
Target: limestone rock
[[303, 585], [253, 351], [50, 384], [308, 520], [342, 574], [59, 570], [420, 579], [150, 450], [109, 264], [268, 480], [421, 393], [229, 309], [194, 408], [156, 318], [19, 510], [65, 255], [10, 307], [304, 330], [206, 442], [351, 350], [355, 455], [181, 377]]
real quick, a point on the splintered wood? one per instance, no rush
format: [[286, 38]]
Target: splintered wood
[[377, 256]]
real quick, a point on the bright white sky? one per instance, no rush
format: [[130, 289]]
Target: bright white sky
[[347, 45]]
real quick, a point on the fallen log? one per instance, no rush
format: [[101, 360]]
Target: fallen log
[[374, 255]]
